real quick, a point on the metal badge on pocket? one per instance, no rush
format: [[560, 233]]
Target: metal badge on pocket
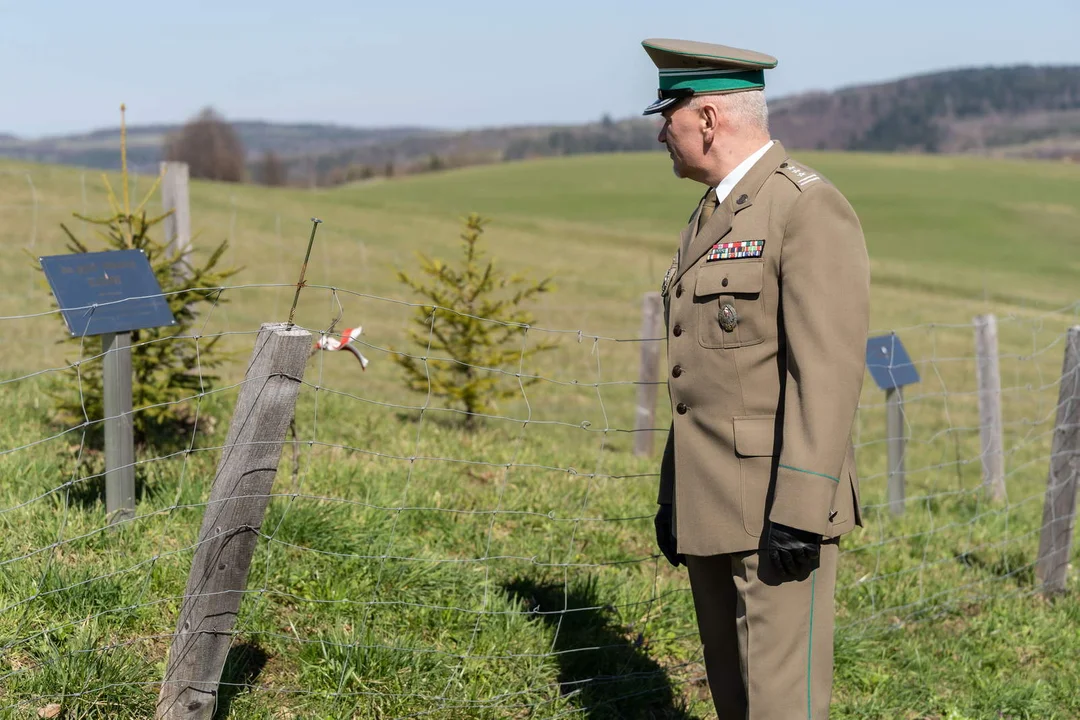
[[728, 317], [669, 274]]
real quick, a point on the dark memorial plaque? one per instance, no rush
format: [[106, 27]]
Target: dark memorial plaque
[[892, 370], [888, 362], [107, 292]]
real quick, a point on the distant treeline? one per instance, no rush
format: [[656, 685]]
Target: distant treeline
[[443, 151], [607, 136]]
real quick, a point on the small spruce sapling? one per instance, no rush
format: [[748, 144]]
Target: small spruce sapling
[[169, 365], [472, 336]]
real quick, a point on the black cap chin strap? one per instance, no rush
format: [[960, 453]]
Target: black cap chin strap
[[674, 93]]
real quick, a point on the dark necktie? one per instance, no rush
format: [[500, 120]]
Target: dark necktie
[[708, 207]]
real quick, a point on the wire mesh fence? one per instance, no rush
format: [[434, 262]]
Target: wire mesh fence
[[410, 566]]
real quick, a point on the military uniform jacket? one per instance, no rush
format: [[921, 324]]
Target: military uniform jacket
[[767, 314]]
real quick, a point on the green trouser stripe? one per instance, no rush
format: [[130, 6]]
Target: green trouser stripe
[[810, 651]]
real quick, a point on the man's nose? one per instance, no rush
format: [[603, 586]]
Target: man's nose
[[662, 137]]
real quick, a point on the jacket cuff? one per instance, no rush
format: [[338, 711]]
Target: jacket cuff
[[803, 499]]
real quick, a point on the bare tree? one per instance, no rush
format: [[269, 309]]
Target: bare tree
[[210, 147], [272, 171]]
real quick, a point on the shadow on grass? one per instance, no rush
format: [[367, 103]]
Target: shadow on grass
[[610, 674], [242, 668], [1011, 565], [88, 491]]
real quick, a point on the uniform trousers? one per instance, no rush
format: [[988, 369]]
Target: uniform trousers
[[768, 639]]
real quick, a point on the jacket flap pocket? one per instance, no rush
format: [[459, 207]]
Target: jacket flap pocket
[[755, 435], [728, 276]]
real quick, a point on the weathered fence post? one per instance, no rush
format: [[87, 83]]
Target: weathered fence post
[[174, 196], [652, 320], [233, 516], [1059, 508], [988, 376]]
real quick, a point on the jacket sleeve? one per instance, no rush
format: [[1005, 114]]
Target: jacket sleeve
[[666, 496], [824, 299]]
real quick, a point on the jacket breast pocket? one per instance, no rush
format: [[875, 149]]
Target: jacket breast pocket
[[730, 304]]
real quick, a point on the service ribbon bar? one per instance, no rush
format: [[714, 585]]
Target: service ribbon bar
[[733, 250]]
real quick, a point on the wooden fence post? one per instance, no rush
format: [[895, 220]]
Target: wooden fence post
[[174, 196], [1059, 508], [652, 320], [988, 376], [231, 521]]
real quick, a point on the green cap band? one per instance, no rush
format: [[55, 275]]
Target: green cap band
[[702, 81]]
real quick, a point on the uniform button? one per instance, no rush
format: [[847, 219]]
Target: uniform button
[[678, 291], [676, 371], [741, 200], [783, 165], [677, 330], [681, 408], [724, 282]]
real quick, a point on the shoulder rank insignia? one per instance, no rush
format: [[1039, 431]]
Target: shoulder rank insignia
[[734, 250], [802, 176]]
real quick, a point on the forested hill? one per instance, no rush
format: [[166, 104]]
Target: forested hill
[[1022, 111]]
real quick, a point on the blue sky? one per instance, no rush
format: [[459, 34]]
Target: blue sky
[[66, 66]]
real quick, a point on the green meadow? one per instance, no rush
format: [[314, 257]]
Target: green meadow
[[408, 568]]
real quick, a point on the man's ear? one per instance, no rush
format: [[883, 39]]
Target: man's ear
[[710, 121]]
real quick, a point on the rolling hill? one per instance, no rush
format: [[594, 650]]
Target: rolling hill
[[968, 228]]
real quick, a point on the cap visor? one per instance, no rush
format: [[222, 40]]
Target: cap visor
[[659, 105]]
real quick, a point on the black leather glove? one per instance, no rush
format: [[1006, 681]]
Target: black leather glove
[[664, 539], [793, 552]]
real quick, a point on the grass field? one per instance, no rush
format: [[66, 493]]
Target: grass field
[[410, 569]]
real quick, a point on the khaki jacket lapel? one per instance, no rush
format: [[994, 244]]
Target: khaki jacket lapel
[[687, 234], [719, 225]]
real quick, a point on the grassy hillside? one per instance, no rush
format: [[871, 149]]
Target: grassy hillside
[[967, 228], [407, 567]]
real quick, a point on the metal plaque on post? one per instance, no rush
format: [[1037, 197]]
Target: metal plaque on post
[[110, 294], [889, 363], [107, 292], [891, 368]]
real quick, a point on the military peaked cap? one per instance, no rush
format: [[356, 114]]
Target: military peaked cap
[[691, 68]]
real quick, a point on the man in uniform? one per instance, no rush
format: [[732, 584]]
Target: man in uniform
[[767, 309]]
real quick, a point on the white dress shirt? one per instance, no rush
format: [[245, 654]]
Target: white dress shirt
[[733, 177]]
